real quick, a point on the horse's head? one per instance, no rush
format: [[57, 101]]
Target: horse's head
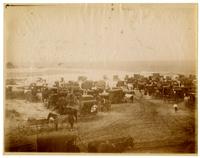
[[48, 116], [51, 115]]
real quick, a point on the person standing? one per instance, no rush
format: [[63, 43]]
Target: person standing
[[186, 100], [175, 107]]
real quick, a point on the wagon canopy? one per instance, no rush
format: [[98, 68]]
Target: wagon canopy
[[87, 85], [100, 84]]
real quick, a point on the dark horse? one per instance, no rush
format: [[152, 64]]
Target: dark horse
[[71, 111], [60, 119]]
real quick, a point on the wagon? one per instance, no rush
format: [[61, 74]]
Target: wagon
[[179, 93], [105, 103], [120, 84], [100, 84], [167, 93], [92, 92], [87, 85], [77, 91], [129, 95], [116, 95], [86, 104]]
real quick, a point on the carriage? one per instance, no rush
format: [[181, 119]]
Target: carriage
[[87, 104], [129, 96]]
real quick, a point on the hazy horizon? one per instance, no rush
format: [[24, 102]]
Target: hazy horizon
[[129, 66]]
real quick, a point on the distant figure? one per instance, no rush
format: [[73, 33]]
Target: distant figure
[[141, 94], [175, 107]]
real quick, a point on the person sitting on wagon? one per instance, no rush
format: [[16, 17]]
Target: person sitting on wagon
[[94, 109]]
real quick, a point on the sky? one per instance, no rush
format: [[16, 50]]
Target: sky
[[100, 32]]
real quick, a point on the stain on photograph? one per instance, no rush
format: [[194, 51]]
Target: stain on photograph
[[100, 78]]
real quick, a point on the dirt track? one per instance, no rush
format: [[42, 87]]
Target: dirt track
[[153, 124]]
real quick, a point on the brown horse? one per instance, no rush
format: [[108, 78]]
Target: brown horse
[[71, 111], [60, 119]]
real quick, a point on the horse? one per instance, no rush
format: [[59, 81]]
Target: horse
[[71, 111], [60, 119]]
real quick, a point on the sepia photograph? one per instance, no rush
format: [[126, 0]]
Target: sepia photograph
[[100, 78]]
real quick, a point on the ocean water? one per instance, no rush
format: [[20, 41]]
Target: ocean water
[[29, 75]]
